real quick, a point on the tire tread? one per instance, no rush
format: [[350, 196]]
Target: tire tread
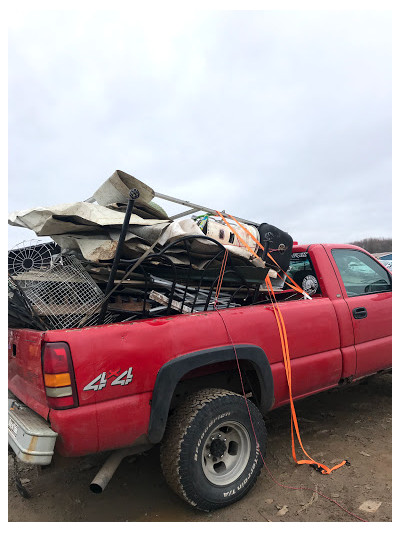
[[176, 429]]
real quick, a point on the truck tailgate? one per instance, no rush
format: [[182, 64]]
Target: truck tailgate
[[25, 377]]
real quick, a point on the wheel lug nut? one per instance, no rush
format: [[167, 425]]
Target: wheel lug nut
[[209, 455], [224, 440], [219, 436]]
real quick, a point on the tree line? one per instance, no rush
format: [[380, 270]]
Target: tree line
[[374, 245]]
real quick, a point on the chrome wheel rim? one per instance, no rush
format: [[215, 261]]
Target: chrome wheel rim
[[226, 453]]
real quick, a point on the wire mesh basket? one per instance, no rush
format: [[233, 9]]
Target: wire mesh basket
[[64, 293]]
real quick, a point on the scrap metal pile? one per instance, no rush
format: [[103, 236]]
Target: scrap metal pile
[[118, 256]]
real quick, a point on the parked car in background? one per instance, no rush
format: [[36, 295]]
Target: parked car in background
[[385, 258]]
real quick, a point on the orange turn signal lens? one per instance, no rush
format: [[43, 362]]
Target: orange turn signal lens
[[57, 380]]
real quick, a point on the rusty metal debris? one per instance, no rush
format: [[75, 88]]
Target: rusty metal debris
[[123, 258]]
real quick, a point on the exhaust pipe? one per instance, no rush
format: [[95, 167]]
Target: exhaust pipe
[[108, 469]]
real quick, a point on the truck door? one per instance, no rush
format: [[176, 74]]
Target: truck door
[[367, 287]]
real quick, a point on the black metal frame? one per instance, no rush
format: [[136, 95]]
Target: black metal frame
[[189, 280]]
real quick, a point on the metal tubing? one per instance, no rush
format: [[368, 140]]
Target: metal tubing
[[133, 195], [108, 469], [106, 472], [195, 207], [184, 213], [199, 207]]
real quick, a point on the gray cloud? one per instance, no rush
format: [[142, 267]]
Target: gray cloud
[[282, 117]]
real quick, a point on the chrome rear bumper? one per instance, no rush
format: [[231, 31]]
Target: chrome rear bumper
[[29, 435]]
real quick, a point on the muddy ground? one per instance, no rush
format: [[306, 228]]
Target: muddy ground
[[353, 422]]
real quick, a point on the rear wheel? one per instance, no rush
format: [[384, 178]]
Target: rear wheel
[[210, 456]]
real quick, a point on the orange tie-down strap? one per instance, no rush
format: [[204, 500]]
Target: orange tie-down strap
[[286, 359], [292, 285]]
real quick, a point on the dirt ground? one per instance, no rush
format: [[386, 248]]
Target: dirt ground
[[352, 422]]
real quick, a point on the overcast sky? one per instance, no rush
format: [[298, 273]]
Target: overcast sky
[[279, 117]]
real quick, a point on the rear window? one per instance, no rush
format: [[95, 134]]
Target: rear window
[[302, 272]]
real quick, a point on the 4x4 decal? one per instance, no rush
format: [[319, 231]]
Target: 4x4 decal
[[102, 379]]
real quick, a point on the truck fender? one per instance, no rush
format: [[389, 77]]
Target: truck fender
[[171, 373]]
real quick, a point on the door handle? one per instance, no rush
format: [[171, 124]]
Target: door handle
[[360, 312]]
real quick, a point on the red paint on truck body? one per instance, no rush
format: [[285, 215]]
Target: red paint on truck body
[[25, 377], [321, 339]]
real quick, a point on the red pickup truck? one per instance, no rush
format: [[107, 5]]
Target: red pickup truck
[[174, 380]]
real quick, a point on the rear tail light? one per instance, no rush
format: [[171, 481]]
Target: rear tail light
[[59, 378]]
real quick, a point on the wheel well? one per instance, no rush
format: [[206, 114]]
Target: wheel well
[[185, 374], [224, 376]]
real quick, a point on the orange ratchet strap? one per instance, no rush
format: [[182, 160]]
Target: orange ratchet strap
[[323, 469], [294, 285]]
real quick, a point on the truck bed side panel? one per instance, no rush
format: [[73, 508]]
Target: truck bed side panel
[[313, 339], [144, 345]]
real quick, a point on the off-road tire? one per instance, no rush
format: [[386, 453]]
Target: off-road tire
[[184, 448]]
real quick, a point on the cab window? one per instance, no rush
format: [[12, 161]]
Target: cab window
[[360, 273], [302, 272]]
